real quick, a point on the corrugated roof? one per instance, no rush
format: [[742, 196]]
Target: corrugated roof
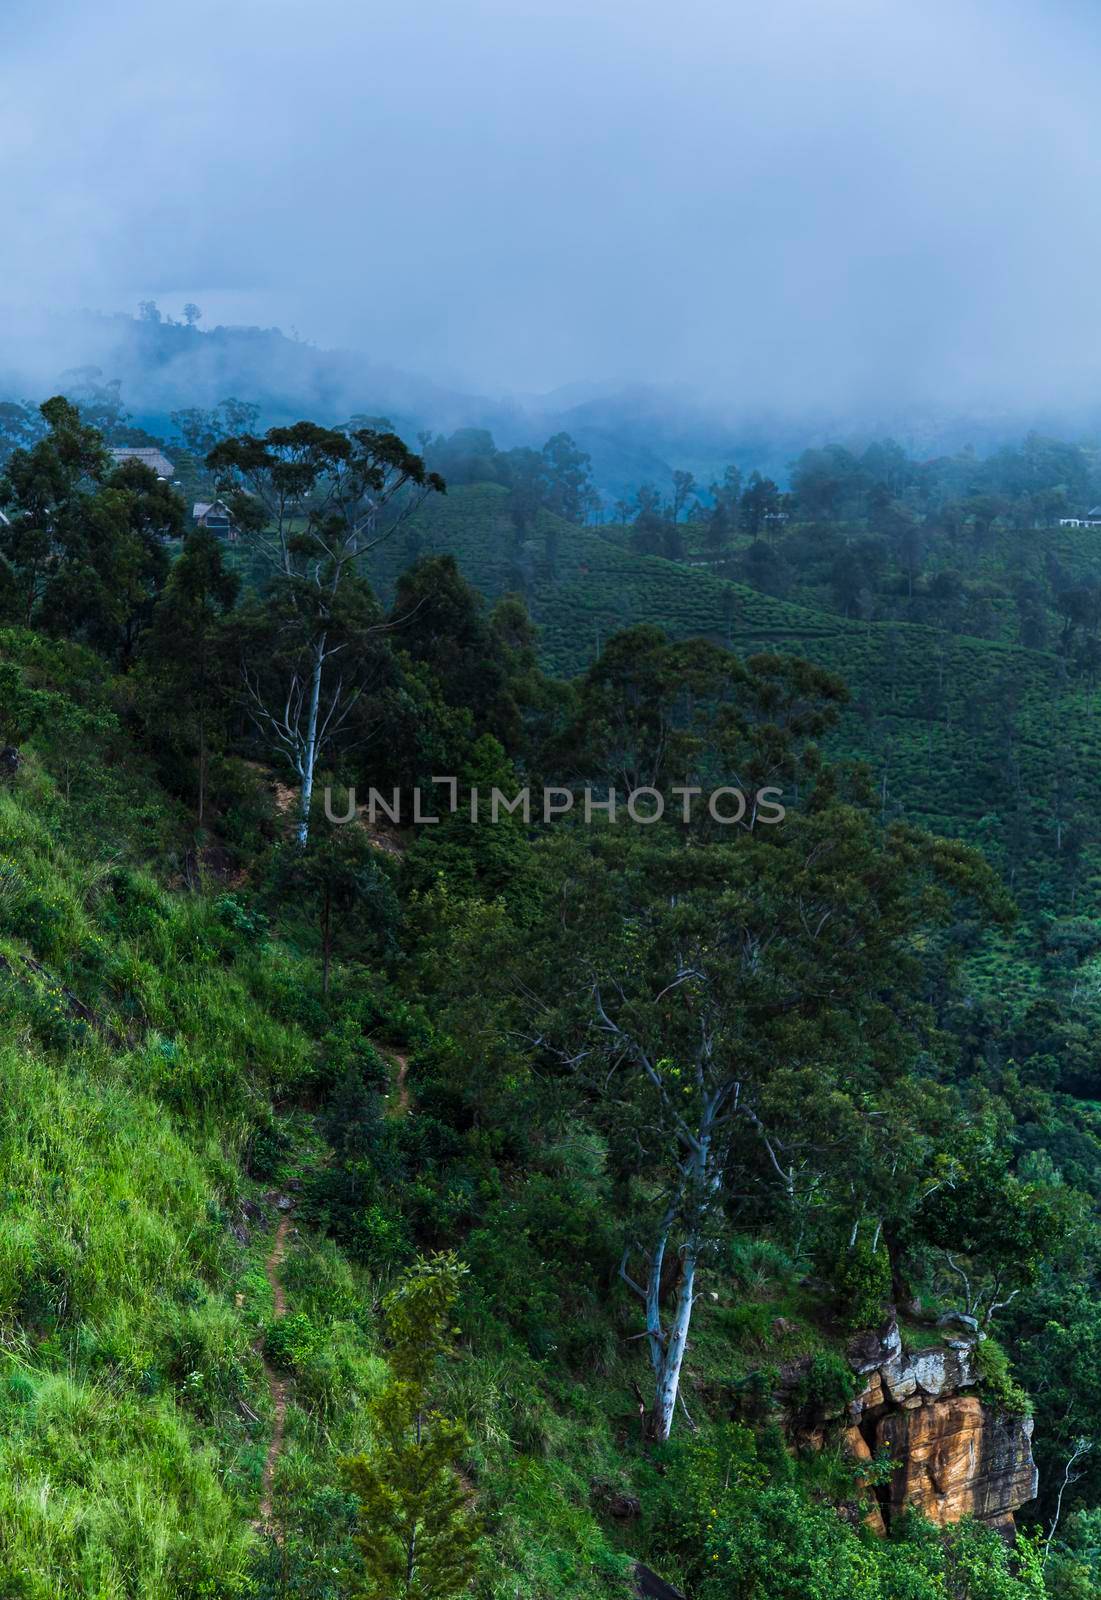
[[148, 456]]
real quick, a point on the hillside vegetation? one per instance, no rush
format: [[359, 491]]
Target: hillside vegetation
[[967, 735], [398, 1211]]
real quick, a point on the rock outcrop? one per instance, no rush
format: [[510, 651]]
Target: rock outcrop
[[956, 1456], [959, 1458]]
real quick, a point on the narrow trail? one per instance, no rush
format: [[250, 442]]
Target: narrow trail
[[398, 1106], [277, 1386]]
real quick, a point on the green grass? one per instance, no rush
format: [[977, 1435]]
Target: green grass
[[129, 1465], [122, 1356], [147, 1034]]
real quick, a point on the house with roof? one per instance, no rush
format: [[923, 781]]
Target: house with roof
[[1091, 519], [214, 515], [153, 458]]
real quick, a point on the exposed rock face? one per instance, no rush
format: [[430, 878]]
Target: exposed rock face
[[956, 1456], [650, 1587], [860, 1450], [929, 1372], [873, 1349]]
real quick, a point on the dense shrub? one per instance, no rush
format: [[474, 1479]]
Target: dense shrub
[[996, 1380], [291, 1341], [824, 1387], [862, 1281]]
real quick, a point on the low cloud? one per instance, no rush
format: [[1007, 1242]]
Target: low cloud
[[851, 203]]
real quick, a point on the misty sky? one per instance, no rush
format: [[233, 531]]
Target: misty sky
[[805, 202]]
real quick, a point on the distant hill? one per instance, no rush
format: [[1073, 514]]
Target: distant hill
[[635, 435]]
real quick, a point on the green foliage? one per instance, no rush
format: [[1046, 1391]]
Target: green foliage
[[291, 1341], [996, 1380], [418, 1537], [185, 670], [740, 1531], [824, 1387], [862, 1281], [193, 1014]]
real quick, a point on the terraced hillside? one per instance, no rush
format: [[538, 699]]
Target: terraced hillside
[[966, 735]]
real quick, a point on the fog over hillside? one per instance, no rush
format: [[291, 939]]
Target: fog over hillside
[[806, 211], [635, 433]]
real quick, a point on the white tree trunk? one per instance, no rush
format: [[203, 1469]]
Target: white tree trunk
[[668, 1374], [654, 1331], [309, 744], [667, 1348]]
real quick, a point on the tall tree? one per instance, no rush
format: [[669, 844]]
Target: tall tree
[[568, 472], [683, 485], [21, 425], [760, 502], [733, 1004], [697, 998], [341, 876], [83, 542], [45, 492], [314, 501], [727, 493], [526, 471], [184, 663], [202, 430], [110, 562]]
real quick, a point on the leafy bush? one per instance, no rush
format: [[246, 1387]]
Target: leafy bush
[[755, 1263], [268, 1145], [996, 1381], [751, 1322], [824, 1387], [243, 922], [732, 1527], [292, 1341], [862, 1280]]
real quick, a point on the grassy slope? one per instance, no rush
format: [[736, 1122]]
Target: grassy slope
[[133, 1410], [153, 1044]]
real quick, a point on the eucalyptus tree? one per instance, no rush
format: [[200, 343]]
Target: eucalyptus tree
[[312, 502], [731, 1011], [738, 1008], [185, 672]]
